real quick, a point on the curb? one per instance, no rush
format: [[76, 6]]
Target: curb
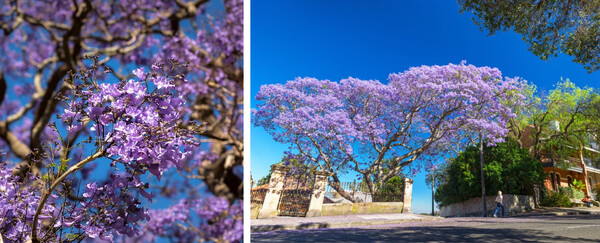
[[278, 227]]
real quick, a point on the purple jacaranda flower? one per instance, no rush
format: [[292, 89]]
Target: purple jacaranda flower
[[140, 73], [95, 99], [68, 114], [162, 82], [109, 90], [92, 231], [95, 112]]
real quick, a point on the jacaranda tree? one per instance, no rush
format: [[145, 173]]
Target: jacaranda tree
[[108, 107], [358, 125]]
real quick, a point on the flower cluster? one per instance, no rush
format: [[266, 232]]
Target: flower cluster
[[17, 207], [126, 210], [138, 128], [224, 221], [139, 124], [221, 221]]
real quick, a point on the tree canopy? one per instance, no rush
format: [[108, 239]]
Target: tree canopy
[[556, 124], [355, 125], [107, 107], [508, 168], [548, 27]]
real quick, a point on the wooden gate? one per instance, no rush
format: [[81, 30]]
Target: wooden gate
[[295, 197]]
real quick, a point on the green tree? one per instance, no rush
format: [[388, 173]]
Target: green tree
[[264, 180], [557, 124], [389, 191], [548, 27], [576, 129], [508, 168]]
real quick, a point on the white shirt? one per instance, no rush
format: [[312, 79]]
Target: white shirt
[[499, 199]]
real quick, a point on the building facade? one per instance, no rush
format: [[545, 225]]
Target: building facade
[[584, 166]]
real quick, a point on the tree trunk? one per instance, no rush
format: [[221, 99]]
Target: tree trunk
[[337, 186], [584, 170]]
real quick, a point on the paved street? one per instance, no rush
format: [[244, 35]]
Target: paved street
[[567, 228]]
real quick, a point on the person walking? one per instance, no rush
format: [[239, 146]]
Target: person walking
[[499, 204]]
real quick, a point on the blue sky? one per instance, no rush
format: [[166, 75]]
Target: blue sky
[[371, 39]]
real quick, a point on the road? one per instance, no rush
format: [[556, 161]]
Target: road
[[575, 228]]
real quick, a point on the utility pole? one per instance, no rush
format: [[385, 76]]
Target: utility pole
[[432, 194], [482, 174]]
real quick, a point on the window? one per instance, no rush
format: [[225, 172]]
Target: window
[[569, 181], [552, 180]]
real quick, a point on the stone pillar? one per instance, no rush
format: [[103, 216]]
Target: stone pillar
[[318, 194], [408, 183], [537, 195], [269, 207]]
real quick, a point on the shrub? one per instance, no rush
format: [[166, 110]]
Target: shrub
[[508, 168], [557, 199], [579, 185], [571, 192]]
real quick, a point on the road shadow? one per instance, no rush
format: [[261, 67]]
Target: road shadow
[[425, 234], [570, 216], [262, 228]]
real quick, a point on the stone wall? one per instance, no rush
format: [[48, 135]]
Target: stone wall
[[472, 207], [254, 209], [361, 208], [269, 207]]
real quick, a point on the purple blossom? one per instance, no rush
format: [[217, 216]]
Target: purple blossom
[[162, 83], [140, 73], [359, 124], [223, 220], [152, 138], [18, 203]]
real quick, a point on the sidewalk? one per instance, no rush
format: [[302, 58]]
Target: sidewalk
[[296, 223]]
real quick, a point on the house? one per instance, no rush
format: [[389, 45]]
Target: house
[[562, 172]]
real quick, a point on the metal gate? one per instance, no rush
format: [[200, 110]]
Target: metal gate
[[295, 197]]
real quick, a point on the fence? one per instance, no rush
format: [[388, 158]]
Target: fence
[[258, 191], [295, 197], [392, 192], [389, 193], [294, 202]]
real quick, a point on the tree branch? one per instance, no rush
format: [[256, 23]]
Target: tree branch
[[56, 182]]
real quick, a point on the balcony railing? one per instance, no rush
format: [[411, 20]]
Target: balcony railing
[[590, 163]]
